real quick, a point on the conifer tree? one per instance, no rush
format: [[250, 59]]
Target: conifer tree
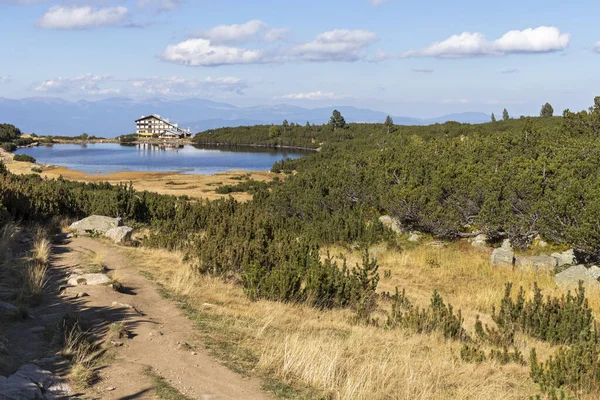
[[493, 118], [389, 123], [505, 115], [547, 110], [337, 120]]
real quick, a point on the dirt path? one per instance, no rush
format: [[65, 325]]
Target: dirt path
[[162, 337]]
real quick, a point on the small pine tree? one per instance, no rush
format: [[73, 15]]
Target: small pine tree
[[547, 110], [505, 115], [389, 123], [493, 118], [337, 120]]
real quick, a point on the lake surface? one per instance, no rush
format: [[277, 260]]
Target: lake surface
[[113, 157]]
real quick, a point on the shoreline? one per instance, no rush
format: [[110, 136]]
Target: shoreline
[[183, 142], [197, 186]]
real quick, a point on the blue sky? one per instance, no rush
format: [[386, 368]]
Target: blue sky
[[420, 59]]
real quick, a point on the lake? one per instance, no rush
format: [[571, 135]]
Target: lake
[[113, 157]]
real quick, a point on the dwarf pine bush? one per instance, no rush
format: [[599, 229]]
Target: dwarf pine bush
[[438, 317], [558, 320]]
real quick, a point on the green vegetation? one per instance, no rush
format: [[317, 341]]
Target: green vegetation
[[515, 178], [24, 158]]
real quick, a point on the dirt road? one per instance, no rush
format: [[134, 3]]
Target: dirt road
[[162, 337]]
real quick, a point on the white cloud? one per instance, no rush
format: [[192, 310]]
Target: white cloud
[[543, 39], [87, 84], [26, 2], [106, 85], [377, 3], [422, 70], [59, 17], [319, 95], [182, 87], [254, 30], [5, 79], [509, 71], [455, 101], [201, 52], [597, 47], [158, 5], [336, 45]]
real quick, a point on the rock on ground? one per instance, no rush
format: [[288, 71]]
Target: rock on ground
[[566, 258], [536, 263], [391, 223], [480, 241], [32, 382], [414, 237], [120, 234], [503, 256], [96, 223], [88, 279], [569, 278]]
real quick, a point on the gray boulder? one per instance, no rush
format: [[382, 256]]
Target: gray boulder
[[569, 278], [594, 271], [480, 241], [120, 234], [6, 307], [536, 263], [33, 382], [566, 258], [96, 223], [503, 256], [88, 280], [391, 223], [414, 237]]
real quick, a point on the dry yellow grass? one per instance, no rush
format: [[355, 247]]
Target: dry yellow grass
[[325, 350]]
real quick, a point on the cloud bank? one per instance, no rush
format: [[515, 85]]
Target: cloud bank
[[544, 39]]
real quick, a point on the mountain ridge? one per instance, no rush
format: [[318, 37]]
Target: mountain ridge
[[114, 116]]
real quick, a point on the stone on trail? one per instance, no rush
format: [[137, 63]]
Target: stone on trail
[[88, 279], [536, 263], [120, 234], [503, 256], [95, 223], [566, 258], [6, 307], [569, 278], [33, 382]]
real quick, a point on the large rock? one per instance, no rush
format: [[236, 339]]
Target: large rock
[[6, 307], [33, 382], [414, 236], [536, 263], [480, 241], [96, 223], [120, 234], [569, 278], [566, 258], [391, 223], [503, 256], [88, 280]]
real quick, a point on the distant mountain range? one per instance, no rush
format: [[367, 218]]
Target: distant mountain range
[[115, 116]]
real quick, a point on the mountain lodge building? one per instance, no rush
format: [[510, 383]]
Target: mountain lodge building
[[156, 126]]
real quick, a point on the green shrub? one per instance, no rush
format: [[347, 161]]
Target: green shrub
[[24, 158], [9, 146], [438, 317], [576, 368], [563, 320]]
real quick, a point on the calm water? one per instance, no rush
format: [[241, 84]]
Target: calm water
[[112, 157]]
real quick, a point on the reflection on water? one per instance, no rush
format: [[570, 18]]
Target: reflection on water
[[112, 157]]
